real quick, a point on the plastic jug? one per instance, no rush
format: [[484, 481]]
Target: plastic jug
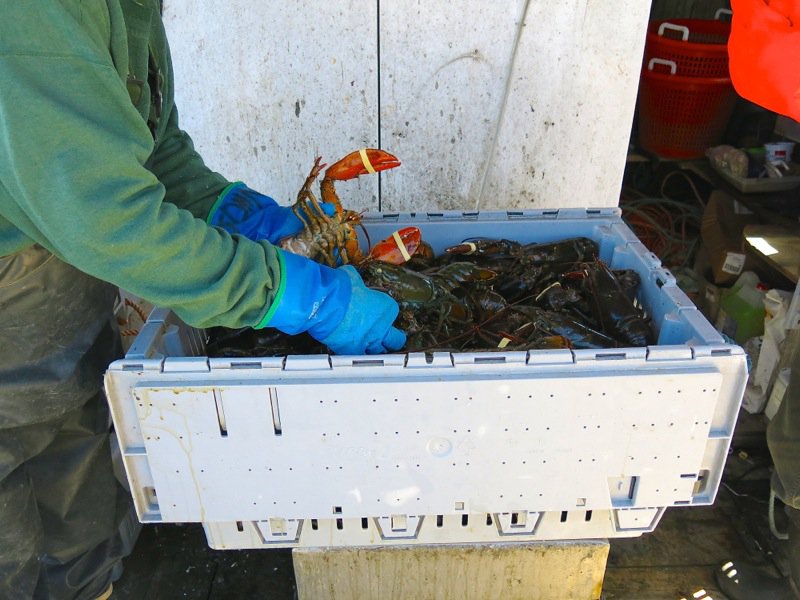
[[741, 309]]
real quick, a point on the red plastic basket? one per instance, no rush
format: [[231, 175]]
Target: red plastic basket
[[698, 47], [680, 116]]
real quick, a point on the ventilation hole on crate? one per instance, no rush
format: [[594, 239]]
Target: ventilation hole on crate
[[439, 520], [364, 523], [514, 518], [395, 399], [488, 519], [177, 471], [459, 506], [339, 524], [563, 516], [397, 433], [314, 524], [337, 510], [327, 468], [464, 520], [397, 466], [547, 428], [374, 399], [417, 399], [239, 526], [202, 470], [588, 516]]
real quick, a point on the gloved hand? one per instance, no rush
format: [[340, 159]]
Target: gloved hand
[[335, 307], [256, 216]]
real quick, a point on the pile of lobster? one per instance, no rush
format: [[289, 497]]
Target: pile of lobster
[[482, 294]]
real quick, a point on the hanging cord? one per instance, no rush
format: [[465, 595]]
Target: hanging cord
[[506, 92], [688, 179], [772, 527], [668, 228]]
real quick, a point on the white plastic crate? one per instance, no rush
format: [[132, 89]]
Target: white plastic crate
[[412, 448]]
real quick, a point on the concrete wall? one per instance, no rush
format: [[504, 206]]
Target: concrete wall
[[515, 104]]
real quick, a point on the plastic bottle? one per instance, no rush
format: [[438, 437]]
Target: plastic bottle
[[741, 309]]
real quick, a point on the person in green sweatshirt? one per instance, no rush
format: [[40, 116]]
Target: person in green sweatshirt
[[100, 189]]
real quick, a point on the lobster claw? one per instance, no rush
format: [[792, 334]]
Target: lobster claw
[[361, 162], [398, 247]]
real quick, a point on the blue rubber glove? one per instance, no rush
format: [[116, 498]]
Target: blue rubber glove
[[256, 216], [333, 306]]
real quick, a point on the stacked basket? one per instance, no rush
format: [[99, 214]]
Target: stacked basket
[[685, 92]]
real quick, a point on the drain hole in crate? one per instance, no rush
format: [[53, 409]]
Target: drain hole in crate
[[563, 516], [314, 524], [701, 483], [439, 520], [151, 497], [364, 523], [588, 516], [488, 519], [239, 526], [339, 524], [464, 520], [514, 518]]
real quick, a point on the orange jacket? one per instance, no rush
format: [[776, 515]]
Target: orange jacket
[[764, 51]]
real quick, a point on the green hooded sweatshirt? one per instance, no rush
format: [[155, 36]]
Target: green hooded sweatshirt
[[94, 167]]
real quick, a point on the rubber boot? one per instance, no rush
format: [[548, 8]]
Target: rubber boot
[[743, 581], [794, 549]]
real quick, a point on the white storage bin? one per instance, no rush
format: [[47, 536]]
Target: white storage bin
[[325, 450]]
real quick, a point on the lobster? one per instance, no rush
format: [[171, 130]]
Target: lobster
[[332, 240]]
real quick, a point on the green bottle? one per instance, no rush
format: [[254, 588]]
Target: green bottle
[[741, 309]]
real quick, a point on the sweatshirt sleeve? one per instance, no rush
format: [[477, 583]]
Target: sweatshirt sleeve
[[188, 182], [73, 151]]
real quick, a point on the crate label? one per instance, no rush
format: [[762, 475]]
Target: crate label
[[734, 263]]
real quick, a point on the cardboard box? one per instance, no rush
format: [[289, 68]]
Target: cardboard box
[[722, 231]]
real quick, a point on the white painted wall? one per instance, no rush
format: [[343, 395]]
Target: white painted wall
[[513, 104]]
